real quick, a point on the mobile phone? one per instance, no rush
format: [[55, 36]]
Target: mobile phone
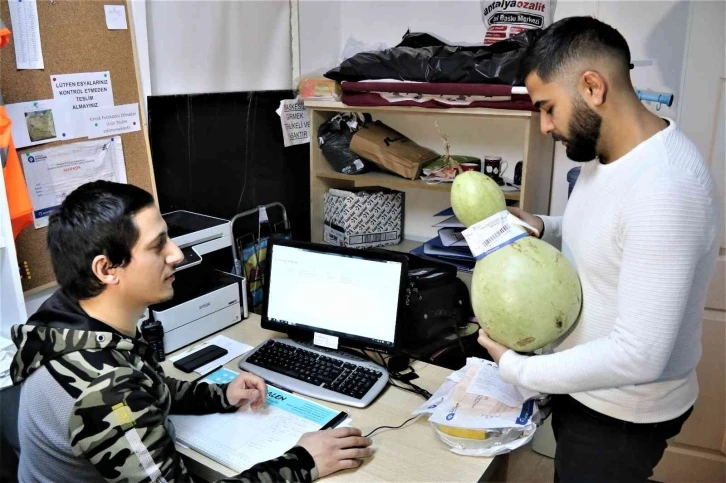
[[199, 358]]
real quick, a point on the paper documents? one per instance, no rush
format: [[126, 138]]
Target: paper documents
[[451, 222], [234, 350], [110, 121], [452, 237], [488, 382], [455, 405], [26, 34], [295, 121], [86, 90], [242, 439], [115, 17], [52, 173], [43, 121]]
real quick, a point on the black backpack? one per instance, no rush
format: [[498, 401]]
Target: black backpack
[[437, 304]]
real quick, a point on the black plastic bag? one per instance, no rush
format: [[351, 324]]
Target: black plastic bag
[[422, 57], [334, 138]]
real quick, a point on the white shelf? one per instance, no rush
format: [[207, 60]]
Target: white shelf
[[393, 181], [453, 111], [537, 153]]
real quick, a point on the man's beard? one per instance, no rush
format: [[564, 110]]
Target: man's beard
[[584, 130]]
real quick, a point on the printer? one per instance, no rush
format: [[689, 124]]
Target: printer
[[206, 300]]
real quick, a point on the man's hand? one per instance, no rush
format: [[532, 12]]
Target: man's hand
[[247, 388], [495, 349], [528, 218], [336, 449]]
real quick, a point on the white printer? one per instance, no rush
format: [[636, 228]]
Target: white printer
[[205, 300]]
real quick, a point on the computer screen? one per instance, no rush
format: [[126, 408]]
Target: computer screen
[[351, 294]]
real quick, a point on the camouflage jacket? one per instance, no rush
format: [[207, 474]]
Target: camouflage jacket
[[118, 402]]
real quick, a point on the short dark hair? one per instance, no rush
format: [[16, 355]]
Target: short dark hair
[[95, 219], [570, 39]]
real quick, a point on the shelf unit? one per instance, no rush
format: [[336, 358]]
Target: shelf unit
[[537, 159]]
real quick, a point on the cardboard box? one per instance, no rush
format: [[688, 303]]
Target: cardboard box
[[363, 218]]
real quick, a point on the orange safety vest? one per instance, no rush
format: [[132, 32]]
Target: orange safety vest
[[4, 34], [21, 210]]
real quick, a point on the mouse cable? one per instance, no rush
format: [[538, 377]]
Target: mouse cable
[[392, 427], [413, 389], [397, 377]]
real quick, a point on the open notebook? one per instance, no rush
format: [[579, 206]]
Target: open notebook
[[244, 438]]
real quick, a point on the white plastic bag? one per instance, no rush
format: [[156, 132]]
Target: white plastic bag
[[467, 418], [498, 441]]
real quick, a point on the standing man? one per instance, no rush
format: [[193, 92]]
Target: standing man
[[94, 402], [642, 228]]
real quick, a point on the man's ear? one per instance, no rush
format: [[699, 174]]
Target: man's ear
[[103, 270], [593, 88]]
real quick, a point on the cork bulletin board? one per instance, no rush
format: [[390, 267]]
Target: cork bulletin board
[[74, 39]]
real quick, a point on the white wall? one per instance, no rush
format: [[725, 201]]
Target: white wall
[[12, 310], [35, 300], [703, 110], [137, 16], [212, 46], [217, 46], [655, 30]]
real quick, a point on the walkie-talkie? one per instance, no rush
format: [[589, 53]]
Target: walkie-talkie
[[153, 333]]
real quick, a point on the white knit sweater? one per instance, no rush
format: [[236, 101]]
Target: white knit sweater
[[643, 233]]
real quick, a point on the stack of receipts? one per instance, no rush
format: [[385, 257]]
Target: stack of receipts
[[476, 413]]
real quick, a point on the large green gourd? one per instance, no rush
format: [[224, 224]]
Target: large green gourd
[[526, 294]]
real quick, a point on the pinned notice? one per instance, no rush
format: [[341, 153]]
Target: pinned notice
[[295, 122], [52, 173], [87, 90], [39, 122], [26, 34], [115, 17], [110, 121]]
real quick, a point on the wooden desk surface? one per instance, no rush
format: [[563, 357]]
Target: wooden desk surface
[[413, 453]]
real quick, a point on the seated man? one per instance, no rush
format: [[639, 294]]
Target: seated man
[[94, 402]]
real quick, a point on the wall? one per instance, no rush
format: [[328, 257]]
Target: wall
[[215, 46], [12, 310], [656, 31]]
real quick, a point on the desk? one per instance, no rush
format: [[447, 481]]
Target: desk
[[412, 453]]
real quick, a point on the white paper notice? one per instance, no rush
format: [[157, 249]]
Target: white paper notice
[[489, 383], [234, 350], [40, 122], [108, 121], [52, 173], [295, 122], [325, 340], [115, 17], [26, 34], [87, 90]]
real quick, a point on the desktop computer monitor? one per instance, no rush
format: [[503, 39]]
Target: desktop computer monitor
[[352, 294]]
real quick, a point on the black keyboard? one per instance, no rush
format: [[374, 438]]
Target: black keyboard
[[315, 369]]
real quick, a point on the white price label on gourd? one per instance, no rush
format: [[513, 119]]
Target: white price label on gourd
[[493, 233]]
